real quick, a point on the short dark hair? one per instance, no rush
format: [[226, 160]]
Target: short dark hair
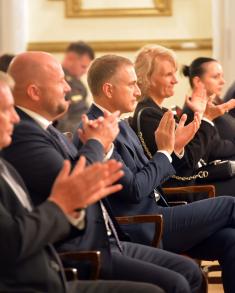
[[103, 69], [5, 60], [81, 48], [196, 68]]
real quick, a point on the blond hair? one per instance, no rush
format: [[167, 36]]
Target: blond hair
[[146, 60]]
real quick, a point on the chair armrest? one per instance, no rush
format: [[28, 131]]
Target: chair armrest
[[71, 274], [176, 203], [209, 189], [92, 256], [157, 219]]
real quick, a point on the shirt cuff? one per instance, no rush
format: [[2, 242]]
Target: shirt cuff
[[167, 155], [208, 121], [78, 222], [109, 153], [179, 156]]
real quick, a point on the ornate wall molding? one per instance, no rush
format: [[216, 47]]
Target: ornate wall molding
[[118, 46], [160, 7]]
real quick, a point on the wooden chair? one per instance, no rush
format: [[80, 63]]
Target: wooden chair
[[157, 219], [92, 256], [209, 190]]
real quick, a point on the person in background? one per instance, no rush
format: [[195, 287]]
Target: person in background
[[156, 68], [77, 59], [208, 72], [5, 60]]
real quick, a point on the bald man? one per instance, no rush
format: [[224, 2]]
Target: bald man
[[39, 92], [28, 262]]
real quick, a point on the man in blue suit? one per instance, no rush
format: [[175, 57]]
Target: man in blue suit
[[28, 260], [203, 229], [38, 152]]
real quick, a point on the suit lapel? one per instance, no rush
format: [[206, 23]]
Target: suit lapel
[[53, 140], [124, 134]]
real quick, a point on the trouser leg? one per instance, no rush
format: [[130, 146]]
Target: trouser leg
[[173, 273], [186, 226], [221, 246], [111, 287]]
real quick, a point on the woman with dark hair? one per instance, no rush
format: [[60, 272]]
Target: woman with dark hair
[[156, 73], [209, 73]]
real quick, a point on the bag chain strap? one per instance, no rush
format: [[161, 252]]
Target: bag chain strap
[[200, 174]]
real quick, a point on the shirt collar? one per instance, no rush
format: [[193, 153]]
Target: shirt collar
[[43, 122], [104, 110], [101, 108]]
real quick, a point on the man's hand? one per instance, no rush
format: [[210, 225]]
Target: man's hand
[[165, 133], [184, 134], [198, 101], [85, 185], [104, 129], [213, 111]]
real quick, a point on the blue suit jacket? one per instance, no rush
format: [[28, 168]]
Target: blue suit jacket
[[141, 177]]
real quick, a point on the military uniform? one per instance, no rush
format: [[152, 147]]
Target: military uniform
[[78, 106]]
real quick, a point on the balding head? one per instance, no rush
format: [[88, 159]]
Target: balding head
[[39, 83], [30, 67]]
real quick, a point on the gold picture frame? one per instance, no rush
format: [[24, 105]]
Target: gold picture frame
[[160, 8]]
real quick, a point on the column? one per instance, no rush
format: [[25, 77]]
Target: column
[[223, 22], [13, 26]]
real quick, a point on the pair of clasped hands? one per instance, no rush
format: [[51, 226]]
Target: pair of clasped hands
[[76, 188]]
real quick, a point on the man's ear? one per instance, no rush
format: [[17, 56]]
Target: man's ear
[[108, 90], [33, 92]]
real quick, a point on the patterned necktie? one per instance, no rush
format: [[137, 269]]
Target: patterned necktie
[[65, 144], [110, 226]]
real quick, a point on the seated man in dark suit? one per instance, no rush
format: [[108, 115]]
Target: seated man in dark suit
[[204, 229], [28, 261], [38, 155]]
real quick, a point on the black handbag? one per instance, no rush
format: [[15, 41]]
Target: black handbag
[[213, 171], [218, 170]]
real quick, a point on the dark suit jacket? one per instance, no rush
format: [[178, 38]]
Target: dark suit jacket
[[218, 147], [194, 151], [201, 146], [140, 179], [38, 157], [25, 254]]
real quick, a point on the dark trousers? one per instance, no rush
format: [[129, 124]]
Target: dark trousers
[[171, 272], [205, 230], [111, 286]]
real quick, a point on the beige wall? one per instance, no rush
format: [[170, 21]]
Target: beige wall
[[191, 19]]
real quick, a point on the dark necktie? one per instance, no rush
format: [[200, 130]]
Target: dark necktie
[[133, 140], [68, 147], [110, 226]]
